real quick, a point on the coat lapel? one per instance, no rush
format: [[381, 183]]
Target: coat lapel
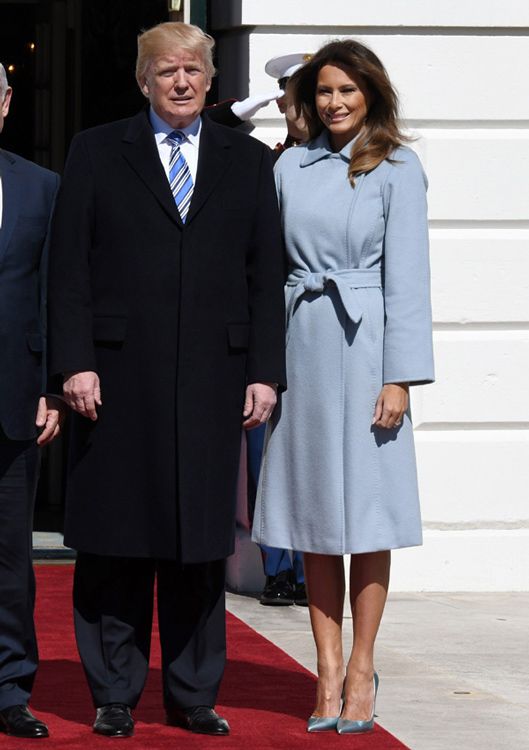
[[213, 159], [139, 149], [11, 199]]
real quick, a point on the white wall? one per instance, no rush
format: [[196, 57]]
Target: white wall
[[460, 68]]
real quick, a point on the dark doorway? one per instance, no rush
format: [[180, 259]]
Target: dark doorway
[[110, 29], [71, 66], [17, 53]]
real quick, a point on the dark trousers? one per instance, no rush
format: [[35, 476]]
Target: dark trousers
[[113, 608], [19, 465]]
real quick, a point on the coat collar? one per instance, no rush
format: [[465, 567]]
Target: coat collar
[[320, 148], [11, 197], [139, 149]]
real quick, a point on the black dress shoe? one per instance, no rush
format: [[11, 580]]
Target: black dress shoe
[[199, 719], [300, 595], [18, 721], [278, 590], [114, 720]]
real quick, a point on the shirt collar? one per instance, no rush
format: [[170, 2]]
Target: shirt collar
[[162, 129], [320, 148]]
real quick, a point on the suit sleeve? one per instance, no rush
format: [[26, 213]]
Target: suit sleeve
[[69, 298], [265, 274], [408, 354]]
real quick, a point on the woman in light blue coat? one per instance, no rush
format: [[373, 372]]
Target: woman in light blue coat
[[338, 475]]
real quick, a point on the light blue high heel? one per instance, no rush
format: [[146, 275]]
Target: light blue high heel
[[348, 726], [322, 723]]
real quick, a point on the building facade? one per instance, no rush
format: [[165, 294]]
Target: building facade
[[459, 68]]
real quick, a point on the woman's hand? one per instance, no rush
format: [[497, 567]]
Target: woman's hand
[[391, 405]]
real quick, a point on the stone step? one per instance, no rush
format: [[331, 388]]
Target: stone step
[[48, 545]]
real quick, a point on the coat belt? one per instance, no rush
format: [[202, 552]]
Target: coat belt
[[346, 281]]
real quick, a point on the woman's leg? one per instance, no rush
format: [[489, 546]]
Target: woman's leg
[[325, 581], [369, 580]]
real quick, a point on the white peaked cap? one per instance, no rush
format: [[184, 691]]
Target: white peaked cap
[[286, 65]]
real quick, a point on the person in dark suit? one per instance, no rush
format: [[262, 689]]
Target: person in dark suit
[[167, 324], [28, 418]]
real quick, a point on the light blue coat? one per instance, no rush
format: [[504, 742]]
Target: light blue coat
[[358, 316]]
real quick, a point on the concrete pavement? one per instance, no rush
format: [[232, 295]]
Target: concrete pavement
[[453, 667]]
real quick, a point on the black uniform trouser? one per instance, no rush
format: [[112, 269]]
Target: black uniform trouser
[[113, 608], [19, 465]]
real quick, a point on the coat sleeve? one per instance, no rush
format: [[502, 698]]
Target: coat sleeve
[[69, 298], [222, 113], [265, 274], [408, 351]]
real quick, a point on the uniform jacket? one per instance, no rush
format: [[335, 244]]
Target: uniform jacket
[[176, 320], [28, 193]]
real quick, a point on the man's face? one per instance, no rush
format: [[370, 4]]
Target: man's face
[[295, 125], [4, 108], [176, 85]]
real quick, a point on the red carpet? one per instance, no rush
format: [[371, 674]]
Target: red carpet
[[266, 696]]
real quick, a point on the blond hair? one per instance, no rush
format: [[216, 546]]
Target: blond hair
[[164, 37]]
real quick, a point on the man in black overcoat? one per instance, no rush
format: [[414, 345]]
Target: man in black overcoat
[[167, 324], [28, 418]]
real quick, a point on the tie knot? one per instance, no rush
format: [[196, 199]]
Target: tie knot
[[176, 137]]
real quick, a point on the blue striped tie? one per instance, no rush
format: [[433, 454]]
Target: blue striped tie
[[180, 178]]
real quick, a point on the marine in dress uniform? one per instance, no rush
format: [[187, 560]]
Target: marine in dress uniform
[[285, 580]]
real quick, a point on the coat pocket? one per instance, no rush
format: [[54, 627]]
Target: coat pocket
[[238, 335], [109, 328]]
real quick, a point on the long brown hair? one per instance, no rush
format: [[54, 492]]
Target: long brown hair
[[381, 133]]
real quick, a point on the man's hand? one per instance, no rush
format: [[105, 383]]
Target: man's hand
[[259, 404], [82, 393], [391, 405], [50, 415]]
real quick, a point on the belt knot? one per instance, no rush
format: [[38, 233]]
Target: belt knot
[[346, 281], [316, 282]]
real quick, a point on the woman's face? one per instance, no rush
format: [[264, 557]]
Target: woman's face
[[341, 104]]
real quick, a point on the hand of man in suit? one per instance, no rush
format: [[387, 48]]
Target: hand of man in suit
[[51, 412], [82, 393], [259, 404]]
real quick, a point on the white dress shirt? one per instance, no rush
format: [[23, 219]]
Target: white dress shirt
[[188, 147]]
